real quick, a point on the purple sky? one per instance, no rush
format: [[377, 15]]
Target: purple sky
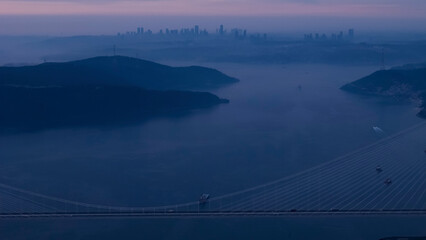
[[381, 8], [15, 14]]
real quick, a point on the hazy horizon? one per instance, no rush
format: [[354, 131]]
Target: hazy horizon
[[111, 25], [76, 17]]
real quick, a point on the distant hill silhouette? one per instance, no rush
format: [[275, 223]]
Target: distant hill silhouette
[[408, 82], [118, 71], [390, 83], [99, 91], [410, 66], [422, 112]]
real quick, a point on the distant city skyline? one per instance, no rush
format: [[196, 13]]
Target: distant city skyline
[[91, 17], [192, 33], [111, 25]]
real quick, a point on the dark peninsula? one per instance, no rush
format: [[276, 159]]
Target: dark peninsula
[[406, 82], [102, 90]]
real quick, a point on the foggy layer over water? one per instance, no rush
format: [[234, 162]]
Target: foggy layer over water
[[270, 129]]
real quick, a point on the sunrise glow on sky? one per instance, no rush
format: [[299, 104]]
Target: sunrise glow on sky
[[380, 8]]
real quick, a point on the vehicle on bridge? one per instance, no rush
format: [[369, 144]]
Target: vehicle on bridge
[[204, 198]]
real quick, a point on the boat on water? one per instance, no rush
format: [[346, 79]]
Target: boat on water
[[204, 198], [378, 130], [388, 181]]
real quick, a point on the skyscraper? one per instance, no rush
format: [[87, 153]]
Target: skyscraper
[[351, 33], [140, 30], [221, 31], [197, 29]]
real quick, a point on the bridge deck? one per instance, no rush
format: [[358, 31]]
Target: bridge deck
[[213, 214]]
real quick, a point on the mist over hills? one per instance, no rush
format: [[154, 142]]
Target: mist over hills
[[101, 90], [406, 82], [364, 48]]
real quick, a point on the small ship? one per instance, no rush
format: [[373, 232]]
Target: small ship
[[204, 198], [388, 181]]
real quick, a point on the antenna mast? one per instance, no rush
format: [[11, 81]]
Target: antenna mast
[[383, 67]]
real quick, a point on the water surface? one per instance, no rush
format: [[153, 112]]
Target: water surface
[[271, 128]]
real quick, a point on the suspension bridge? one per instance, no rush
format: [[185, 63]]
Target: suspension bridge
[[384, 178]]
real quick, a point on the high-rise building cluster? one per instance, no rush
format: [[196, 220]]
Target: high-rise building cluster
[[334, 36], [192, 33], [195, 31]]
